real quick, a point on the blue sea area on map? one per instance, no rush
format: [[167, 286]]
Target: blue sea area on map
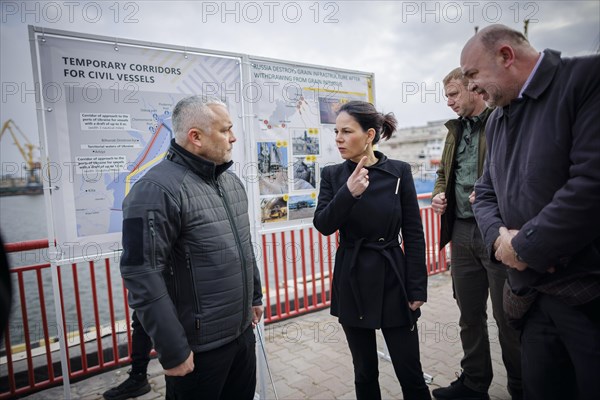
[[117, 184]]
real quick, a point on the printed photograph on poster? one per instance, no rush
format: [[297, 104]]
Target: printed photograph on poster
[[302, 207], [329, 151], [273, 209], [304, 173], [328, 108], [305, 141], [272, 167]]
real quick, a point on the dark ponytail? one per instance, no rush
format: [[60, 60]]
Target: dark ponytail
[[368, 117], [389, 126]]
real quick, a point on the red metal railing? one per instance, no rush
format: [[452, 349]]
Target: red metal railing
[[310, 289], [297, 269], [29, 372], [436, 259]]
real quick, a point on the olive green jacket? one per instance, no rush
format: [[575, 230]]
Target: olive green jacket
[[445, 173]]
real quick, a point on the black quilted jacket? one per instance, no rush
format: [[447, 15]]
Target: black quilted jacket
[[187, 260]]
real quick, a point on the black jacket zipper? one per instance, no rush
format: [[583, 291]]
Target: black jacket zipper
[[240, 250], [152, 238], [188, 264]]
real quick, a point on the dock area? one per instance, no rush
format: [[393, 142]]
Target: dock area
[[309, 357]]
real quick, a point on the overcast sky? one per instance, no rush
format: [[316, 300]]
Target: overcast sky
[[410, 46]]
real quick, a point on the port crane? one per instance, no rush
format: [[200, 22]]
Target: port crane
[[26, 149]]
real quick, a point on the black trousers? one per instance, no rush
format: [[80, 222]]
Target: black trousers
[[560, 347], [403, 345], [474, 277], [141, 345], [228, 372]]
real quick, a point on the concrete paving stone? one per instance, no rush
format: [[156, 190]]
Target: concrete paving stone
[[310, 359], [318, 375], [344, 371], [325, 395], [281, 365], [326, 364], [93, 389], [442, 358], [290, 370], [276, 352], [158, 381], [443, 368], [296, 395], [283, 390], [290, 378], [303, 383], [93, 396], [339, 386], [317, 391], [300, 365], [334, 351], [151, 395], [52, 393], [351, 395], [282, 349]]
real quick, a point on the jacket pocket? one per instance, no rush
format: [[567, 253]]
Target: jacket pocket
[[516, 306], [190, 269], [171, 281]]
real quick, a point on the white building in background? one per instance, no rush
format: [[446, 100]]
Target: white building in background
[[421, 146]]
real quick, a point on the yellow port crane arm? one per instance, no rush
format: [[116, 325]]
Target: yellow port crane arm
[[27, 154]]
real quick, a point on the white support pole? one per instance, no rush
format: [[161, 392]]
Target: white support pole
[[62, 339], [261, 365]]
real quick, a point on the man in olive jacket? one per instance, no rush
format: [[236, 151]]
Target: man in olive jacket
[[188, 262], [473, 274]]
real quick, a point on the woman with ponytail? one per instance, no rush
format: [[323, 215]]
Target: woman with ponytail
[[380, 278]]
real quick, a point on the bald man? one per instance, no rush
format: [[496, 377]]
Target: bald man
[[537, 204]]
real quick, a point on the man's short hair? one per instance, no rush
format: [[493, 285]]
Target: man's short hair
[[193, 112], [456, 74], [494, 34]]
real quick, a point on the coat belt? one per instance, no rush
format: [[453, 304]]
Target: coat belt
[[357, 246]]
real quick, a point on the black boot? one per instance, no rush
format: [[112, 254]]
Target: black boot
[[134, 386], [458, 390]]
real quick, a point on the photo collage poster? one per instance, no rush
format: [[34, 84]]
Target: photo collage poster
[[294, 121]]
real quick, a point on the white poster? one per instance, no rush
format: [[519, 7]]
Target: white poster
[[294, 111], [107, 113], [106, 106]]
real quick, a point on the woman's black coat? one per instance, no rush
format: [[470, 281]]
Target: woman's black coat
[[374, 279]]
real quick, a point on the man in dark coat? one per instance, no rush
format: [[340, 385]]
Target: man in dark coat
[[537, 204], [188, 261]]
